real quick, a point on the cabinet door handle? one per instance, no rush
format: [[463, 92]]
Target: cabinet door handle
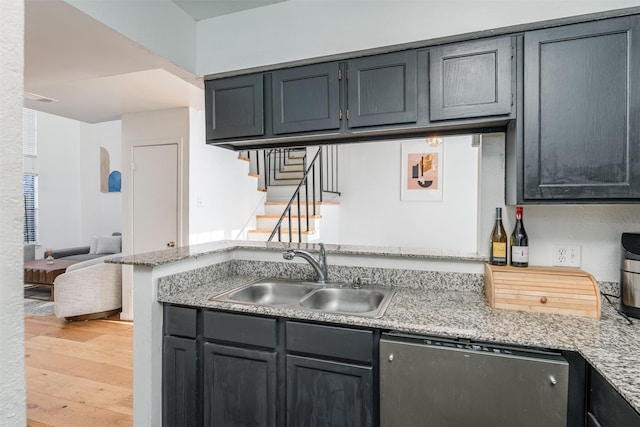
[[171, 244]]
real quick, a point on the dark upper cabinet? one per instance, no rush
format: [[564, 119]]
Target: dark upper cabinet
[[234, 107], [382, 89], [306, 98], [471, 79], [581, 105], [240, 386], [328, 393]]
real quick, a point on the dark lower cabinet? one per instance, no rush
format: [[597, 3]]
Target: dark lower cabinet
[[179, 383], [240, 386], [606, 408], [328, 393], [581, 102], [225, 369]]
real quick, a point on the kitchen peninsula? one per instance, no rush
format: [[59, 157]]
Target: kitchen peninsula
[[436, 293]]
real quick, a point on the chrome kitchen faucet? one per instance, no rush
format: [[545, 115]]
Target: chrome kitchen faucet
[[319, 265]]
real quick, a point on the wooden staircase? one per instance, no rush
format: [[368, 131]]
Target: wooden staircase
[[283, 181]]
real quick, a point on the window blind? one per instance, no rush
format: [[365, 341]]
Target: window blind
[[30, 190]]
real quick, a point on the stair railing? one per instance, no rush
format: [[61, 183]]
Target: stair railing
[[326, 159], [320, 176], [296, 198]]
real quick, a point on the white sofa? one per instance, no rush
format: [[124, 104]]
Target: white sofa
[[89, 290]]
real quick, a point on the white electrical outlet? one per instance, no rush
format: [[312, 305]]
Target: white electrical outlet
[[566, 255]]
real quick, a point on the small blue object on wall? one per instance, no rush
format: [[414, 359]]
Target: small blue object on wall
[[115, 182]]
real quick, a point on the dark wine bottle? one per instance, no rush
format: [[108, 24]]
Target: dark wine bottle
[[519, 242], [498, 248]]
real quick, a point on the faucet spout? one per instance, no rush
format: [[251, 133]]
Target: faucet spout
[[319, 265]]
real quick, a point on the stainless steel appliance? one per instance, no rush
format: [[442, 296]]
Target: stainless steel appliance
[[428, 381], [630, 274]]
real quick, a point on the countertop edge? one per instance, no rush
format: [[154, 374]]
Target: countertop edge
[[167, 256]]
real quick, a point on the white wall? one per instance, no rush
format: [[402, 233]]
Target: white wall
[[71, 206], [223, 197], [299, 29], [59, 179], [146, 128], [12, 374], [372, 212], [596, 228], [101, 212]]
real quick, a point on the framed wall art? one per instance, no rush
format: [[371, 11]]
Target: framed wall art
[[422, 161]]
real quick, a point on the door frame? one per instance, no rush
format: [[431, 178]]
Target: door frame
[[127, 209]]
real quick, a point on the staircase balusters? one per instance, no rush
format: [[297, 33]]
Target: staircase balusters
[[268, 163]]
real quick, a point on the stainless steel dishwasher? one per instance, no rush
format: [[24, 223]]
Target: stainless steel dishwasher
[[428, 381]]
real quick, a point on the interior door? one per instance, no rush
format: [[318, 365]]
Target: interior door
[[155, 197]]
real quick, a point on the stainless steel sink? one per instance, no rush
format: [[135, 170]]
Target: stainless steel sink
[[269, 292], [334, 298], [368, 301]]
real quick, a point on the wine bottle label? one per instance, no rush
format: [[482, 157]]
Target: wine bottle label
[[520, 254], [499, 250]]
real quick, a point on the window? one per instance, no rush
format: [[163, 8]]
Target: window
[[30, 179], [30, 190]]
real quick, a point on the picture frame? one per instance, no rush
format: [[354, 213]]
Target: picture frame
[[422, 170]]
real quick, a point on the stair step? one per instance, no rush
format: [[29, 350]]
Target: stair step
[[276, 208], [284, 182], [290, 169], [270, 222], [292, 216], [263, 235]]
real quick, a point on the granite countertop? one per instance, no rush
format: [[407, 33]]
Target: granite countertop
[[610, 344], [167, 256]]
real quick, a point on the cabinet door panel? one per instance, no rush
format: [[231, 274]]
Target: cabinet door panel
[[323, 393], [180, 321], [234, 107], [239, 328], [581, 87], [470, 79], [179, 394], [330, 341], [239, 387], [606, 406], [306, 98], [382, 90]]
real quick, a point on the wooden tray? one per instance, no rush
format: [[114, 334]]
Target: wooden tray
[[558, 290]]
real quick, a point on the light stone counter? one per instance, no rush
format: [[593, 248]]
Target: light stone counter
[[444, 304], [436, 301]]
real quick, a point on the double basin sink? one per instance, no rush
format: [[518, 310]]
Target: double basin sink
[[330, 298]]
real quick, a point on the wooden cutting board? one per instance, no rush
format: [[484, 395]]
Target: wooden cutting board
[[557, 290]]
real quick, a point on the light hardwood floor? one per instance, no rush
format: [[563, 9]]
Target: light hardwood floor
[[79, 373]]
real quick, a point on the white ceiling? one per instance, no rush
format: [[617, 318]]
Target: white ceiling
[[204, 9], [93, 73]]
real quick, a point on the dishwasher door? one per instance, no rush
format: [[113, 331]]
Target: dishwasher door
[[441, 383]]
